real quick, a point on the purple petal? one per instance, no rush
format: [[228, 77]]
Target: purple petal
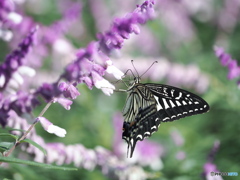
[[66, 103], [69, 91]]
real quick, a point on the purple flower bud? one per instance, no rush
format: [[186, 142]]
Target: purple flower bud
[[72, 72], [24, 102], [63, 86], [69, 91], [99, 69], [48, 91], [87, 80], [234, 70], [64, 102], [91, 50], [81, 53]]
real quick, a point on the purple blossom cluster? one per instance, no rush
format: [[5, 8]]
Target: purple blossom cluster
[[123, 27], [78, 155], [8, 19], [16, 59], [231, 64], [92, 62], [89, 67], [21, 102]]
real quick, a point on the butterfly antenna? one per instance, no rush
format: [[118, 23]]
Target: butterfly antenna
[[149, 68], [127, 72], [135, 68]]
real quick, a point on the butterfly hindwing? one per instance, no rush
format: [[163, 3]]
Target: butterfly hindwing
[[145, 123]]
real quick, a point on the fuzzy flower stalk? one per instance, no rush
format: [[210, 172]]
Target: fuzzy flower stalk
[[227, 61]]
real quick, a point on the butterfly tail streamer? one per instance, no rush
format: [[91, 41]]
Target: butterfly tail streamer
[[145, 124]]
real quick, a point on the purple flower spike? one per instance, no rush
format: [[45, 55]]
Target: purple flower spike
[[92, 62], [15, 59], [123, 27], [147, 11], [226, 60]]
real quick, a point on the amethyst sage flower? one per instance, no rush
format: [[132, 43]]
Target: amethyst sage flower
[[226, 60], [16, 59]]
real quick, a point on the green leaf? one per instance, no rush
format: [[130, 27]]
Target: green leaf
[[35, 144], [12, 129], [32, 163], [9, 135], [5, 146]]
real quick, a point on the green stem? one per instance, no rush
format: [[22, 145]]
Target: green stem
[[28, 131]]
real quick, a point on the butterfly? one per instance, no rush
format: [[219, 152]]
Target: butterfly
[[149, 104]]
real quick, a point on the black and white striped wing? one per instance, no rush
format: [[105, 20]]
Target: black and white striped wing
[[174, 103], [150, 104]]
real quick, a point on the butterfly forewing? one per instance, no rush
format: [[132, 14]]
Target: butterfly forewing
[[174, 103], [148, 105]]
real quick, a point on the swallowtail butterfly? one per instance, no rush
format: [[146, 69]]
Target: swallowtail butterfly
[[148, 105]]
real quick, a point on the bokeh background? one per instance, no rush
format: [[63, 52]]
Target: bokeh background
[[181, 38]]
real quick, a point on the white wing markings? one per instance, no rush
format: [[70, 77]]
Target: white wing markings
[[172, 104], [179, 96], [165, 103], [158, 104], [178, 103], [184, 103], [140, 136]]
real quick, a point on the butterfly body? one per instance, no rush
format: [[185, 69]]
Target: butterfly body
[[148, 105]]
